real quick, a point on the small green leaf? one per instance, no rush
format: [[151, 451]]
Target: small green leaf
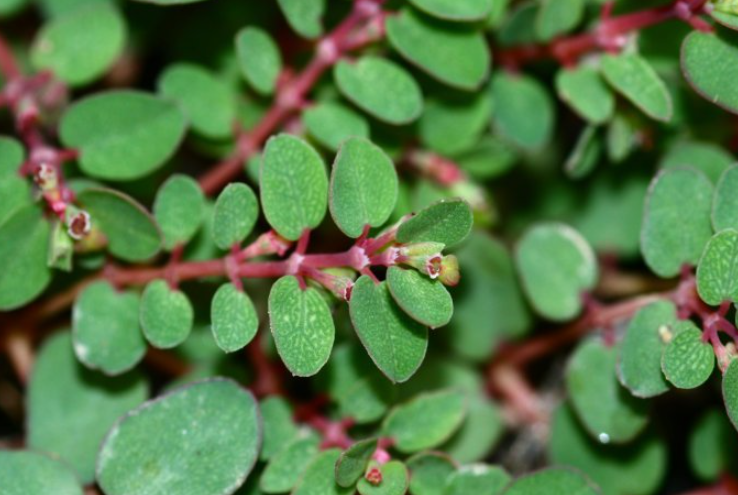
[[675, 230], [639, 367], [478, 479], [179, 210], [426, 301], [633, 77], [363, 189], [584, 156], [717, 270], [105, 329], [304, 16], [353, 462], [130, 230], [555, 18], [166, 315], [481, 431], [725, 201], [235, 214], [429, 473], [279, 427], [454, 54], [585, 92], [552, 481], [234, 319], [381, 88], [556, 266], [622, 137], [446, 221], [294, 186], [302, 326], [710, 452], [332, 123], [458, 10], [70, 408], [607, 410], [453, 126], [426, 421], [708, 158], [319, 478], [516, 98], [14, 189], [710, 65], [209, 433], [287, 466], [258, 58], [490, 157], [24, 242], [730, 391], [727, 18], [206, 101], [82, 45], [122, 135], [396, 344], [395, 480], [688, 361], [30, 473]]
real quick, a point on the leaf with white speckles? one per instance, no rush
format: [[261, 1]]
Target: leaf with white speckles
[[234, 319], [425, 300], [717, 271], [688, 361]]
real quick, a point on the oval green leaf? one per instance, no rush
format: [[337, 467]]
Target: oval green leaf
[[447, 221], [319, 478], [179, 210], [429, 472], [258, 58], [730, 391], [294, 186], [710, 65], [516, 98], [688, 361], [353, 462], [287, 466], [279, 427], [452, 126], [457, 10], [717, 271], [30, 473], [235, 214], [234, 319], [725, 201], [166, 315], [304, 16], [122, 135], [208, 432], [332, 123], [425, 300], [552, 481], [478, 479], [633, 77], [586, 93]]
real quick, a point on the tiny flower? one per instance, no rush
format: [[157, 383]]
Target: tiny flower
[[78, 224], [374, 476]]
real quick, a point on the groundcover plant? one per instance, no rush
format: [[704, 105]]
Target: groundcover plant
[[324, 247]]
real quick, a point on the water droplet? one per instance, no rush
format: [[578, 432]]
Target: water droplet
[[603, 438]]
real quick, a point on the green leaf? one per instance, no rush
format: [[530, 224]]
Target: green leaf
[[105, 329], [639, 367], [279, 428], [207, 102], [710, 65], [606, 409], [478, 479], [426, 421], [294, 186], [353, 462], [80, 46], [727, 19], [725, 201], [555, 18], [235, 214], [287, 466], [708, 158], [636, 468], [718, 267], [454, 54], [429, 472], [688, 361], [516, 98], [166, 315], [363, 189], [24, 241], [304, 16], [122, 135], [396, 344], [730, 391], [453, 126], [553, 481], [447, 221], [258, 58], [458, 10], [489, 158], [710, 452], [331, 124], [425, 300], [556, 266], [622, 137], [381, 88], [676, 220], [11, 7], [302, 326], [179, 210], [585, 92], [395, 480], [319, 477], [479, 433], [234, 319], [130, 230], [29, 473], [585, 155], [70, 408], [14, 189], [208, 433], [633, 77]]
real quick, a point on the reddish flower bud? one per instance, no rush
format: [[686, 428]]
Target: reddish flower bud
[[374, 476]]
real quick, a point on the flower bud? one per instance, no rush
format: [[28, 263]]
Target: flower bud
[[449, 270], [419, 255], [373, 476], [78, 223]]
